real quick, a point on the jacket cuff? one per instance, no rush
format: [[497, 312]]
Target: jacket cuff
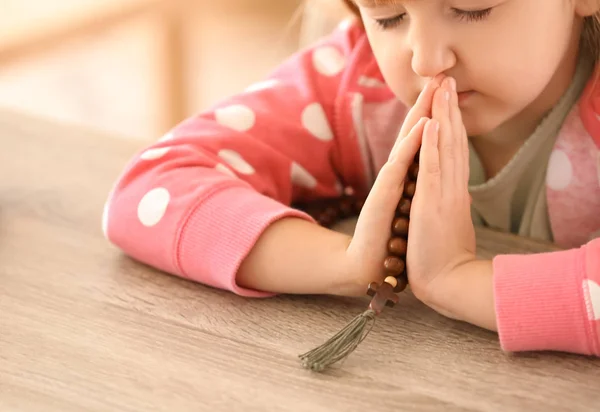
[[539, 301], [220, 233]]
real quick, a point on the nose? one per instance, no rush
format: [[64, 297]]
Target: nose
[[431, 49]]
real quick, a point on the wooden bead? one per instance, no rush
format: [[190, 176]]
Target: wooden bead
[[328, 216], [347, 207], [413, 171], [392, 281], [404, 206], [409, 189], [397, 246], [402, 283], [393, 265], [324, 221], [400, 226]]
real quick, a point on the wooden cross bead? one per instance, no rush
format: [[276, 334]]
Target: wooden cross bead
[[383, 295], [397, 246]]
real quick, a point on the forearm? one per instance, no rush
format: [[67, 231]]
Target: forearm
[[468, 295], [295, 256]]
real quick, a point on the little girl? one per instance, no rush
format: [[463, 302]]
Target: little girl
[[499, 99]]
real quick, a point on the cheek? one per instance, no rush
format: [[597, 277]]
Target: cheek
[[519, 82], [520, 62], [517, 69], [395, 67]]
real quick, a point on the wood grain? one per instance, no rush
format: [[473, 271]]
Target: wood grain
[[84, 328]]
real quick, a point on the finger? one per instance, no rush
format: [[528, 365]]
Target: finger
[[441, 113], [380, 205], [466, 160], [459, 136], [422, 107], [466, 156], [400, 144], [429, 178]]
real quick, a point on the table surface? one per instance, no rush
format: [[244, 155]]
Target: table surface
[[85, 328]]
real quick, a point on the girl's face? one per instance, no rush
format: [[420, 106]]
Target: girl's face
[[512, 59]]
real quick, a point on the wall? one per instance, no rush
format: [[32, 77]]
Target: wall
[[137, 76]]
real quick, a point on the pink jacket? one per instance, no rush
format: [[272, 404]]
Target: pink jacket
[[194, 203]]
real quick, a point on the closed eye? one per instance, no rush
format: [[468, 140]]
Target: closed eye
[[462, 15], [472, 15], [391, 22]]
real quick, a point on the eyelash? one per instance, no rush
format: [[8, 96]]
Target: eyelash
[[470, 16]]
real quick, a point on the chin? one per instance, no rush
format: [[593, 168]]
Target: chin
[[478, 126], [483, 119]]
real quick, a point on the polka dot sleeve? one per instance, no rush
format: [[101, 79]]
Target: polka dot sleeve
[[194, 203]]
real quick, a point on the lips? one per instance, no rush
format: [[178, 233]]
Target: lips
[[464, 95]]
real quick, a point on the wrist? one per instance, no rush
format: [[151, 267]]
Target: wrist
[[466, 294], [346, 281]]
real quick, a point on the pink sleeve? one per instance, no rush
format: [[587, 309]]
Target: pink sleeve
[[549, 301], [194, 203]]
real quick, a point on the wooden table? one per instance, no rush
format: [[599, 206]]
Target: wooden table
[[84, 328]]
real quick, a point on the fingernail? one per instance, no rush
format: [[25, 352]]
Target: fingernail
[[447, 95]]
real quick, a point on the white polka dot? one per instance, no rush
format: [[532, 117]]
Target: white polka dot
[[315, 121], [328, 61], [153, 206], [339, 188], [235, 160], [301, 177], [236, 117], [154, 154], [166, 137], [105, 219], [370, 82], [267, 84], [224, 169], [593, 305], [560, 171]]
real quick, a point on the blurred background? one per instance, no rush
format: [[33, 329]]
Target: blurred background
[[137, 67]]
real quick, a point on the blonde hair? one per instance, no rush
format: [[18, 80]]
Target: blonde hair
[[590, 35]]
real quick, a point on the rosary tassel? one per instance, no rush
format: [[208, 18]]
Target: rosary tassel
[[343, 343], [340, 345]]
